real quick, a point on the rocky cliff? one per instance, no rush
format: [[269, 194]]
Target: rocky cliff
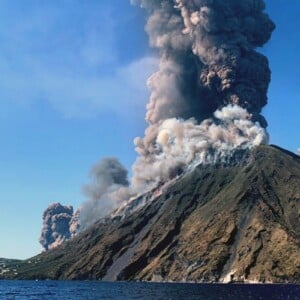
[[215, 224]]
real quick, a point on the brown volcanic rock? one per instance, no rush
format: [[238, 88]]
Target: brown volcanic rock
[[217, 223]]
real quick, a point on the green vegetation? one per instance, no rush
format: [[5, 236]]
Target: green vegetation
[[217, 223]]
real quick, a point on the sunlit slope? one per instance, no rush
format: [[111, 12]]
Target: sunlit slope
[[217, 223]]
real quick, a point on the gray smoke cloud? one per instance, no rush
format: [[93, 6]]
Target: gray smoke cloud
[[74, 225], [206, 98], [56, 225], [108, 188], [208, 57], [208, 69]]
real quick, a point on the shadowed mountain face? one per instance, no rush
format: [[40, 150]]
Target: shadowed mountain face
[[217, 223]]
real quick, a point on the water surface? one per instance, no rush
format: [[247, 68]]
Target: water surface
[[75, 290]]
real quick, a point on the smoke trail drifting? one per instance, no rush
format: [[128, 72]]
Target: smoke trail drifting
[[109, 186]]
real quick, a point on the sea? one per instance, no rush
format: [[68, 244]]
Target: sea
[[73, 290]]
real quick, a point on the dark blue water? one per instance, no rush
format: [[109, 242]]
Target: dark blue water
[[36, 290]]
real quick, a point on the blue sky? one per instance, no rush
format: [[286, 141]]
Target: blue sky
[[73, 90]]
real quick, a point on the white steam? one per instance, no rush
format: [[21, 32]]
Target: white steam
[[180, 143]]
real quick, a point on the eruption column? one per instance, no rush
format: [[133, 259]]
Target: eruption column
[[206, 100], [208, 68]]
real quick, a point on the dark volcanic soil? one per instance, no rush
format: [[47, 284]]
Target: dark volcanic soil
[[217, 223]]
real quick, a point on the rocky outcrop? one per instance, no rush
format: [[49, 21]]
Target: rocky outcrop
[[214, 224]]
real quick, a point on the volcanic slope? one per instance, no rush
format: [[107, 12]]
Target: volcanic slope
[[216, 223]]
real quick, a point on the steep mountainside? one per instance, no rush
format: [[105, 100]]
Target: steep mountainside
[[216, 223]]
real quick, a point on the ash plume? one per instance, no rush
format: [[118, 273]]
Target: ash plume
[[74, 225], [206, 98], [208, 57], [108, 188], [181, 144], [56, 225], [208, 68]]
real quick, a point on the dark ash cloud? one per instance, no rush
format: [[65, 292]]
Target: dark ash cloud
[[56, 225]]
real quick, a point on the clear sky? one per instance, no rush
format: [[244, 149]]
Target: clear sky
[[73, 90]]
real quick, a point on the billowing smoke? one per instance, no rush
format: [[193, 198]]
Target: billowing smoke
[[75, 223], [207, 57], [211, 86], [108, 187], [298, 151], [206, 97], [181, 143], [56, 225]]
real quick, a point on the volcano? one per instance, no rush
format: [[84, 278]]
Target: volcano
[[217, 223]]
